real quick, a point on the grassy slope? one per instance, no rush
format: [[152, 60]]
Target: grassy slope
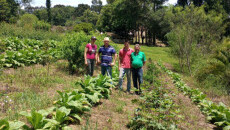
[[163, 53], [32, 87], [156, 53]]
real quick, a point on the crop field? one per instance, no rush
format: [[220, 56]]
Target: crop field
[[39, 92], [115, 65]]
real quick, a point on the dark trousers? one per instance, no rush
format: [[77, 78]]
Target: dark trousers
[[137, 74], [106, 70], [90, 68]]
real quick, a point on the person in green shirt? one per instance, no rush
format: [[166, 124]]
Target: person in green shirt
[[138, 60]]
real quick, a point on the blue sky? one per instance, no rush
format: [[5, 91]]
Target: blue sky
[[74, 2]]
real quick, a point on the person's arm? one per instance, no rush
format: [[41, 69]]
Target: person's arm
[[144, 59], [85, 55], [144, 63], [115, 57], [119, 61], [131, 60], [114, 61], [98, 57]]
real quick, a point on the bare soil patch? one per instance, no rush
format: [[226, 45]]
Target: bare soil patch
[[112, 114], [192, 116]]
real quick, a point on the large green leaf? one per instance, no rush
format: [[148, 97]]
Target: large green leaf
[[226, 128], [15, 125], [4, 125], [76, 117]]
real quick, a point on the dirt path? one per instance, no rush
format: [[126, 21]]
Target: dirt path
[[192, 116], [113, 114]]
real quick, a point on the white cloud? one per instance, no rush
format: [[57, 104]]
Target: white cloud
[[172, 2]]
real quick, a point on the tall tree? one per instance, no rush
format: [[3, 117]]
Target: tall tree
[[61, 13], [182, 2], [197, 2], [4, 10], [80, 9], [48, 7], [149, 21], [96, 6], [8, 9], [13, 7], [125, 16], [41, 14], [89, 17], [226, 4], [104, 22], [110, 1], [24, 3]]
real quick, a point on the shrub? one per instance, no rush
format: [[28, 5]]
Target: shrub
[[86, 27], [193, 31], [8, 30], [59, 29], [73, 46], [13, 20], [217, 68], [27, 19], [41, 25]]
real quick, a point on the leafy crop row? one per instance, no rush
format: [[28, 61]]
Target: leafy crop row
[[69, 108], [156, 108], [16, 52], [217, 114]]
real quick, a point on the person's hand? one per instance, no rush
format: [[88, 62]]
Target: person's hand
[[118, 68], [112, 64], [86, 63], [98, 62]]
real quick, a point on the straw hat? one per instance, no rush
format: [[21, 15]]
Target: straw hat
[[106, 39]]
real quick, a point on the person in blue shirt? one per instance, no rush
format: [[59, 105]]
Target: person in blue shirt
[[106, 52]]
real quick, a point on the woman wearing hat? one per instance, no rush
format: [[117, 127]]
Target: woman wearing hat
[[90, 55]]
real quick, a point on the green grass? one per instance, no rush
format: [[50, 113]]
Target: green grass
[[155, 53], [32, 87]]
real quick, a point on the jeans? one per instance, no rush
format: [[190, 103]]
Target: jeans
[[90, 69], [106, 70], [137, 74], [124, 71]]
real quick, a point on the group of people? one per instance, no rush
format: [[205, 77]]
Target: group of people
[[131, 62]]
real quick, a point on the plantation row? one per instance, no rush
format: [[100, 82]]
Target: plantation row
[[156, 109], [69, 108], [216, 114], [15, 52]]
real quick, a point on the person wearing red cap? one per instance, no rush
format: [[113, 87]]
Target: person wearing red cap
[[90, 55]]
